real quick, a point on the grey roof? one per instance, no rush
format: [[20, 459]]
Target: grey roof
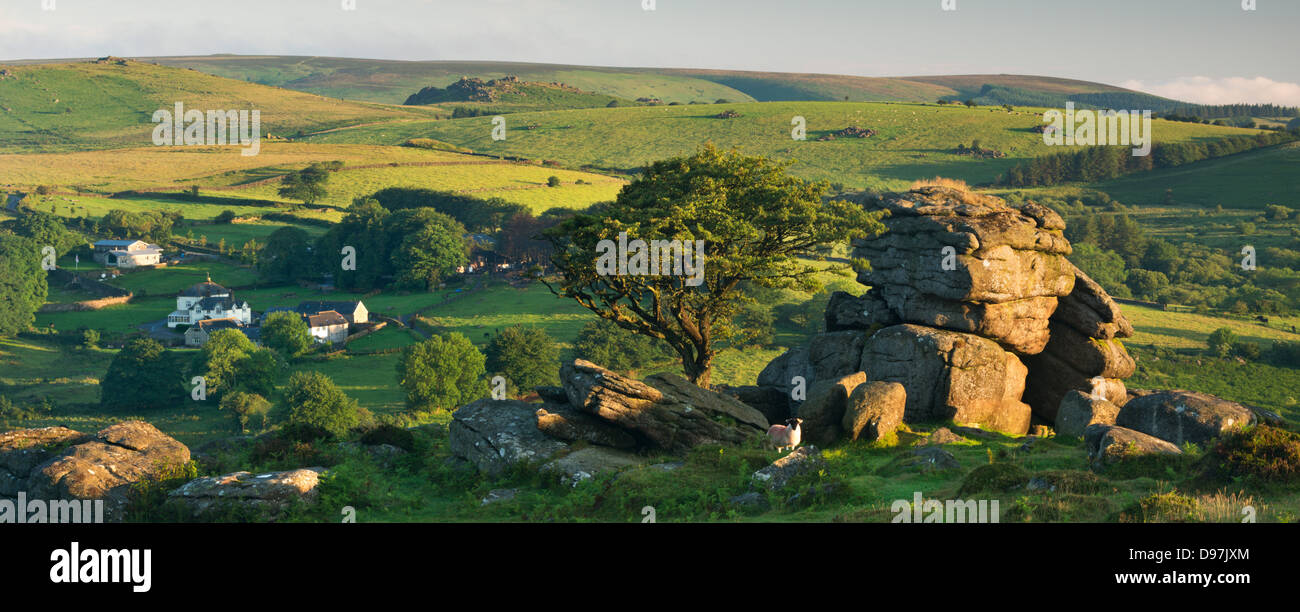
[[211, 303], [313, 307], [211, 325], [326, 318]]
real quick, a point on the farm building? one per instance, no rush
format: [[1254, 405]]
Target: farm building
[[127, 253], [208, 300]]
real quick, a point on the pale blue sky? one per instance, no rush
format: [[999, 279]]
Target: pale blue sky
[[1156, 45]]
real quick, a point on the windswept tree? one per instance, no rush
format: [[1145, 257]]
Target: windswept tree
[[307, 185], [748, 218]]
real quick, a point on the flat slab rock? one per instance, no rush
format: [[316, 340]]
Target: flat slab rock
[[57, 463], [496, 434], [779, 473], [585, 463], [270, 492], [1184, 416], [1111, 444]]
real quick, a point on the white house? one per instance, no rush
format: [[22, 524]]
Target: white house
[[208, 300], [127, 253], [328, 327]]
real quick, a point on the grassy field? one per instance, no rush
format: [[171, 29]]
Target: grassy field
[[93, 105], [913, 140], [1247, 180], [172, 280]]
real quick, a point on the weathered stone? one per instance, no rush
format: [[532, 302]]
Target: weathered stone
[[823, 411], [1073, 362], [566, 424], [874, 410], [57, 463], [752, 501], [584, 463], [942, 435], [1079, 410], [498, 495], [266, 495], [1184, 416], [1091, 311], [779, 473], [922, 460], [666, 411], [835, 354], [950, 375], [1019, 325], [1111, 444], [1000, 253], [868, 312], [780, 372], [496, 434]]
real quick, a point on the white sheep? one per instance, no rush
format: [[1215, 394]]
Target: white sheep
[[785, 436]]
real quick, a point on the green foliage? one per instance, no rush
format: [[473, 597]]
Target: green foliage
[[753, 220], [996, 477], [312, 400], [287, 333], [153, 226], [1265, 453], [604, 343], [47, 230], [552, 181], [1221, 341], [443, 372], [286, 256], [391, 435], [307, 185], [22, 284], [90, 338], [1104, 267], [142, 376], [476, 214], [230, 361], [418, 246], [247, 408], [527, 356]]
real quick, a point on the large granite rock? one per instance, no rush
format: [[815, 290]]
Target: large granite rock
[[1110, 444], [868, 312], [774, 403], [950, 254], [835, 354], [1184, 416], [779, 473], [950, 376], [586, 463], [823, 411], [56, 463], [666, 411], [496, 434], [562, 422], [1079, 410], [1075, 362], [1091, 311], [875, 410], [261, 496]]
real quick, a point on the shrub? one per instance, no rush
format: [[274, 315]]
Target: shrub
[[527, 356], [314, 401], [1221, 341], [247, 408], [553, 181], [390, 434], [1262, 452]]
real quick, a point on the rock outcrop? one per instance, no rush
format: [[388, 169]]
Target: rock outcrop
[[261, 496], [1079, 410], [1110, 444], [875, 410], [967, 262], [57, 463], [949, 375], [1184, 416], [496, 434]]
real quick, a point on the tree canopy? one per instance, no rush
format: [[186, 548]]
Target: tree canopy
[[23, 284]]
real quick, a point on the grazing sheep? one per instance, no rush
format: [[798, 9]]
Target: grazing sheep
[[785, 436]]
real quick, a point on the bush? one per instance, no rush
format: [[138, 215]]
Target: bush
[[390, 434], [553, 181], [443, 372], [247, 408], [1221, 341], [313, 401], [527, 356], [1263, 452], [226, 216]]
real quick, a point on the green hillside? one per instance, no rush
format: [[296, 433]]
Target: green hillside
[[392, 81], [110, 103], [1248, 180], [511, 93], [912, 141]]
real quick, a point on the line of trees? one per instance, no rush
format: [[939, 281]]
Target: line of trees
[[1105, 162]]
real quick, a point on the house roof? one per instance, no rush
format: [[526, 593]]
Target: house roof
[[115, 243], [211, 303], [211, 325], [326, 319]]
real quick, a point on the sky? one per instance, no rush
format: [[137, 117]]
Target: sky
[[1209, 51]]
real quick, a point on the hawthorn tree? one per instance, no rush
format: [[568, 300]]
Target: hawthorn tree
[[756, 223]]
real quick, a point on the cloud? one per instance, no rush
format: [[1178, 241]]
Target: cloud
[[1228, 90]]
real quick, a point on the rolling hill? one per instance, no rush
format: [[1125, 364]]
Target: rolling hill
[[109, 103], [911, 141], [392, 81]]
